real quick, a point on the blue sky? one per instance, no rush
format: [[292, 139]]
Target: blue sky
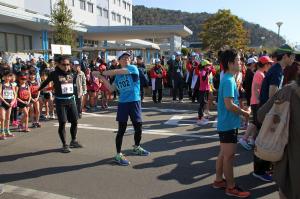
[[263, 12]]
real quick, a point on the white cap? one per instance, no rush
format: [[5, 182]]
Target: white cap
[[251, 60], [76, 62], [97, 64], [121, 54], [157, 61]]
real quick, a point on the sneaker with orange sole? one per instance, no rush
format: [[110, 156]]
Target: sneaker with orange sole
[[237, 192], [219, 184]]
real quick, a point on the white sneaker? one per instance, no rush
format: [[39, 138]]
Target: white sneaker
[[203, 122], [180, 101], [244, 144], [251, 142], [52, 117], [1, 189]]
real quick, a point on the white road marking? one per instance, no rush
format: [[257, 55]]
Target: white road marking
[[32, 193], [174, 120], [148, 131], [161, 110], [97, 115]]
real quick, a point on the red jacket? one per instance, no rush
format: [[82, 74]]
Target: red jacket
[[155, 71]]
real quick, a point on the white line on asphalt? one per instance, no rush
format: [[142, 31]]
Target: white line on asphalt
[[97, 115], [161, 110], [148, 131], [32, 193]]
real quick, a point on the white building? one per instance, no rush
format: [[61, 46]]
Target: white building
[[25, 25]]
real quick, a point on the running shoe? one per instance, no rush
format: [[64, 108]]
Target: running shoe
[[251, 142], [219, 184], [121, 160], [15, 123], [33, 125], [8, 133], [66, 149], [75, 144], [265, 177], [245, 144], [237, 192], [138, 150], [38, 125], [181, 101], [52, 117], [202, 121]]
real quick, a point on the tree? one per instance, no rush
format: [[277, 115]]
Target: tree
[[185, 51], [61, 18], [224, 29]]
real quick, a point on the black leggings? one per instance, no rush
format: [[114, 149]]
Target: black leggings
[[122, 128], [14, 114], [62, 131]]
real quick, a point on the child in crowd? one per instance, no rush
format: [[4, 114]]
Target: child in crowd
[[104, 91], [14, 110], [35, 94], [46, 97], [8, 98], [24, 98]]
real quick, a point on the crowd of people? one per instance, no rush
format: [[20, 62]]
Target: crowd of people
[[240, 85]]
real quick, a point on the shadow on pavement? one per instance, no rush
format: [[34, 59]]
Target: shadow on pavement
[[10, 158], [6, 178]]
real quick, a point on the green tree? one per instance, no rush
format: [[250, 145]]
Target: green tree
[[61, 18], [224, 29], [184, 51]]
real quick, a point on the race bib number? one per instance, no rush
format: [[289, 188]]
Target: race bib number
[[8, 94], [67, 88], [124, 84]]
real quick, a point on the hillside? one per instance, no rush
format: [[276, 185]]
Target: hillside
[[156, 16]]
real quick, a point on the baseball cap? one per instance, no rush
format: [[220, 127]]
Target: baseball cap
[[157, 61], [265, 60], [251, 60], [123, 53], [76, 62], [284, 49], [205, 62], [178, 53]]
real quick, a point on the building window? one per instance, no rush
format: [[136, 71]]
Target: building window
[[2, 42], [11, 43], [125, 20], [73, 2], [105, 13], [82, 4], [99, 11], [27, 42], [20, 43], [119, 2], [113, 16], [119, 18], [129, 21], [129, 6], [90, 7], [124, 4]]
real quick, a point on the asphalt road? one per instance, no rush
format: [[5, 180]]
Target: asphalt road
[[181, 165]]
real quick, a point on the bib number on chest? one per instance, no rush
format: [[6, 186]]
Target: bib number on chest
[[8, 94], [67, 88], [124, 84]]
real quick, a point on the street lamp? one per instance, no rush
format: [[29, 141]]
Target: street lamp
[[262, 41], [279, 24]]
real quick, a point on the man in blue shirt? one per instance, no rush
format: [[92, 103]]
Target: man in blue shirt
[[229, 114], [272, 82], [127, 82], [274, 78]]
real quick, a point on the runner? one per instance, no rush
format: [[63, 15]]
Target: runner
[[24, 98], [264, 64], [229, 114], [128, 84], [8, 98], [64, 101], [35, 95]]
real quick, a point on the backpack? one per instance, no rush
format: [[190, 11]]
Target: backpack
[[274, 133]]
